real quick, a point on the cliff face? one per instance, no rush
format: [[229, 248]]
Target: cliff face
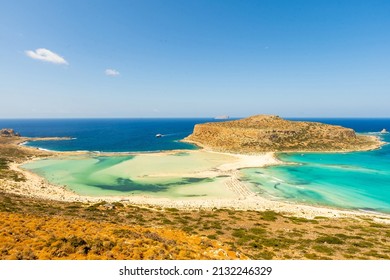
[[263, 133]]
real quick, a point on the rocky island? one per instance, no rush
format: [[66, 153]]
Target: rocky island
[[267, 133]]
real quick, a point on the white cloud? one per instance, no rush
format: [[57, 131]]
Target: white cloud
[[46, 55], [111, 72]]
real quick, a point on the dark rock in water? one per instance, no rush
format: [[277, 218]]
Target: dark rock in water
[[8, 132]]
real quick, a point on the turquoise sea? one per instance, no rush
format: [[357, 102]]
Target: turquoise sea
[[359, 180]]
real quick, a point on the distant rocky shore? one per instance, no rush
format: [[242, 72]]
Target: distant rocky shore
[[267, 133], [11, 133], [8, 132]]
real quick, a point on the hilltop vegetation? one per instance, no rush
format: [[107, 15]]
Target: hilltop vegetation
[[40, 229], [265, 133], [24, 236]]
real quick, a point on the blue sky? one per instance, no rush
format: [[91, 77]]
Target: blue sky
[[189, 58]]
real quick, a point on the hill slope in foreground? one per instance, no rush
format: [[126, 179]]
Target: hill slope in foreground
[[265, 133], [43, 229]]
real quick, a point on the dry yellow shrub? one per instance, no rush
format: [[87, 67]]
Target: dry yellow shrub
[[34, 237]]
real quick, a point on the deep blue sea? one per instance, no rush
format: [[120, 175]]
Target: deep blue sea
[[359, 180], [123, 135], [107, 135]]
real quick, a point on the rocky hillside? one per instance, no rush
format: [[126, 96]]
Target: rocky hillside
[[264, 133], [24, 236], [42, 229]]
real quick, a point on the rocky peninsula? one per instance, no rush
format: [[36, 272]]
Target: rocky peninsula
[[267, 133]]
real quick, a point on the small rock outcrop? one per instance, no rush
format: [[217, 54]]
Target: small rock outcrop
[[8, 132], [265, 133], [383, 131]]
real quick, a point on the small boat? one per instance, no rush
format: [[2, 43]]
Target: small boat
[[383, 131], [158, 135]]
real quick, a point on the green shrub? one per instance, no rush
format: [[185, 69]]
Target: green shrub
[[329, 240]]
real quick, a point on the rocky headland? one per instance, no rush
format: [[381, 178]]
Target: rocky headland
[[267, 133], [8, 132]]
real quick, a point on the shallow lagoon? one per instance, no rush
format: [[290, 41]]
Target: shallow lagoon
[[174, 175], [359, 180], [354, 180]]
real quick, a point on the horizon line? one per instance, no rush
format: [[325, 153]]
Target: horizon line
[[197, 117]]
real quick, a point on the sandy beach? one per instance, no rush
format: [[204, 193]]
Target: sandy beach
[[244, 199]]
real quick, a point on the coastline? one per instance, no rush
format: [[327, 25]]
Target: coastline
[[36, 186]]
